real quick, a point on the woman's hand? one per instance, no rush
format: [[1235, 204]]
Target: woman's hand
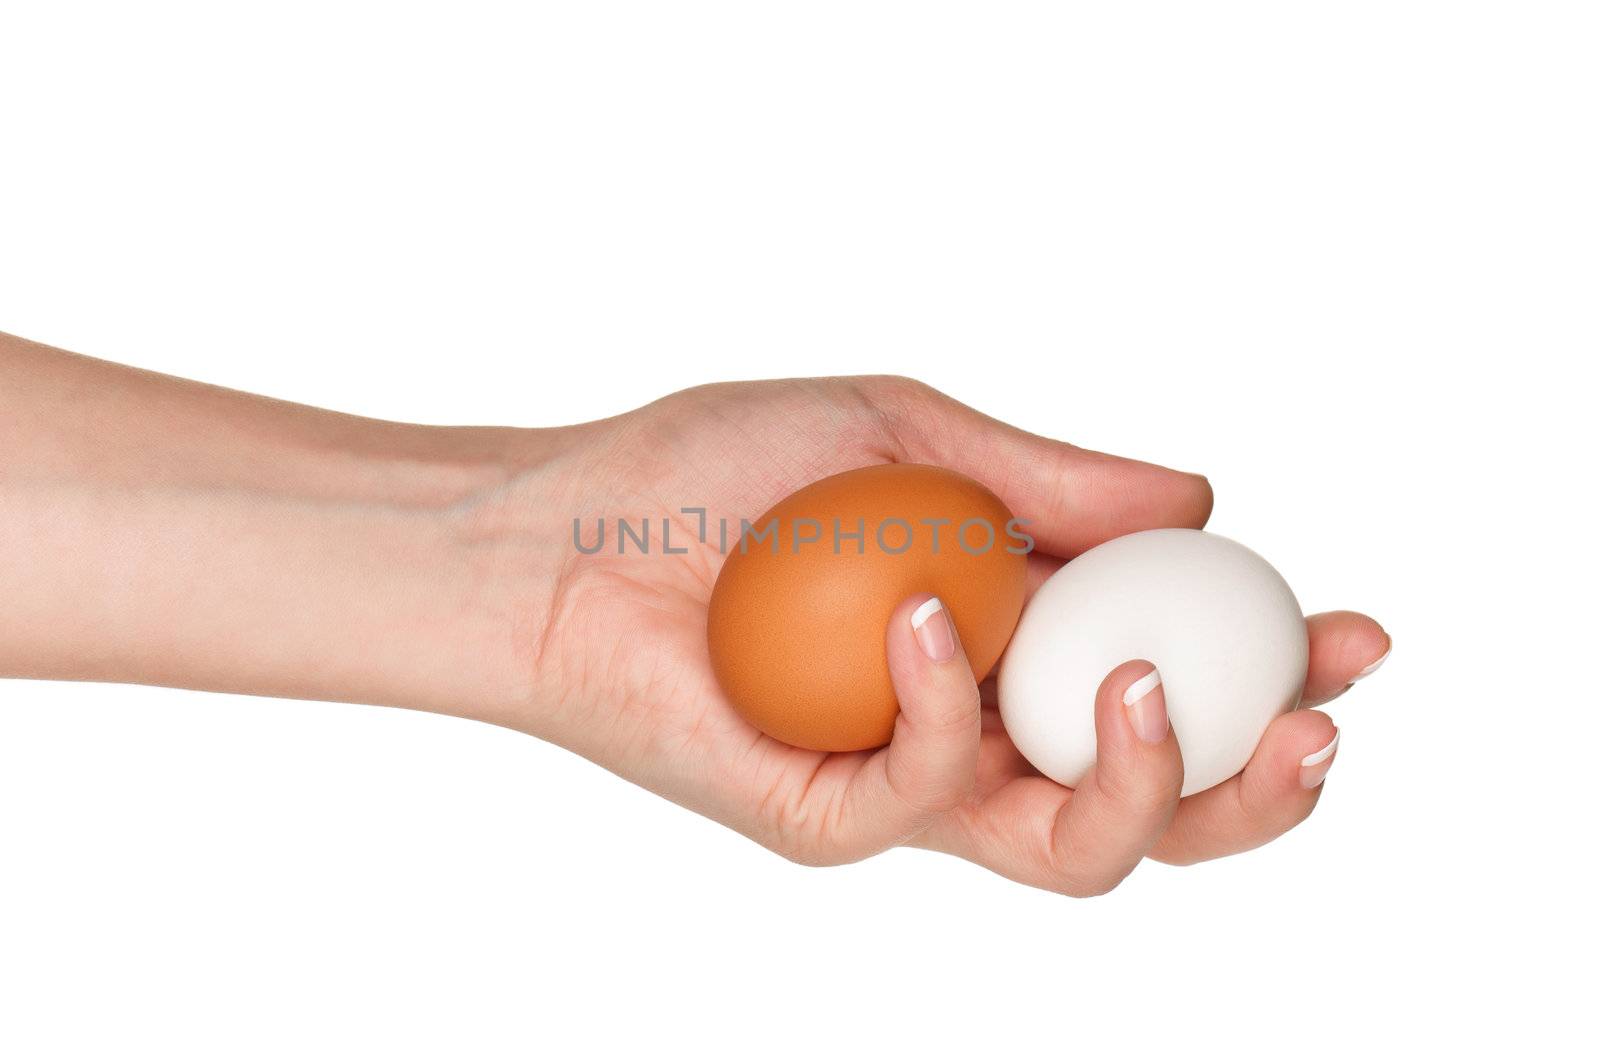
[[612, 645], [165, 532]]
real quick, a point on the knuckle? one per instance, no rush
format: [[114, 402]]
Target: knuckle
[[804, 856], [1085, 884], [924, 792], [804, 829], [794, 840], [1185, 859], [953, 718], [895, 384], [925, 795], [900, 398], [788, 830], [932, 800], [1076, 872], [1142, 794]]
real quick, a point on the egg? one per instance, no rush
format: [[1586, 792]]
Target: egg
[[798, 618], [1217, 621]]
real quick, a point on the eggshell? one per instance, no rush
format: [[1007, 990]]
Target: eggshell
[[797, 633], [1219, 623]]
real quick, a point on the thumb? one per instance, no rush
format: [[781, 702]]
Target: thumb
[[1130, 795], [931, 763]]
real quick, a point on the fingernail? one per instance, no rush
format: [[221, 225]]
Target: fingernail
[[1314, 768], [931, 624], [1147, 708], [1375, 665]]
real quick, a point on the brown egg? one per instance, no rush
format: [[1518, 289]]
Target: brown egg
[[799, 615]]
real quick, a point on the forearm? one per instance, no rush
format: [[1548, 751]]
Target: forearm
[[154, 530], [67, 418]]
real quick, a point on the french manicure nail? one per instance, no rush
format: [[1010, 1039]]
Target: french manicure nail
[[1375, 665], [1147, 708], [931, 624], [1314, 768]]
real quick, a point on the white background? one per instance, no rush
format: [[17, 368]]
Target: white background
[[1340, 257]]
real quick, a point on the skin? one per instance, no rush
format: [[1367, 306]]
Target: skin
[[165, 532]]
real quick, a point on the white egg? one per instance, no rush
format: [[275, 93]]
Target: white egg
[[1216, 620]]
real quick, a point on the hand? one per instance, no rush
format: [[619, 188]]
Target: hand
[[616, 662], [170, 533]]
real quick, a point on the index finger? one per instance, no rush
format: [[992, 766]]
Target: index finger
[[1072, 498]]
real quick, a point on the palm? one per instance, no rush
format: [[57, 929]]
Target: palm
[[641, 616]]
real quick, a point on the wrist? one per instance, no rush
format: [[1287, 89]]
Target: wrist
[[449, 530], [505, 541]]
